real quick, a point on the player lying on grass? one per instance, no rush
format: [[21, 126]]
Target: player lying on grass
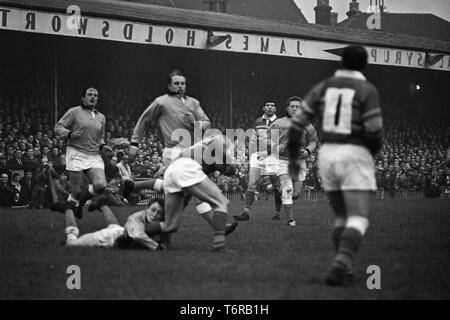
[[131, 235], [186, 177]]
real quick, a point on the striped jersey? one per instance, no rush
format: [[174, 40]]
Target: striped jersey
[[262, 127]]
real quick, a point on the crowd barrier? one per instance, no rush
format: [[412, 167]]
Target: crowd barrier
[[308, 195]]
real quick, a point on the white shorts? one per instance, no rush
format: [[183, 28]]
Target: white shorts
[[346, 167], [182, 173], [171, 154], [105, 238], [283, 169], [77, 160], [268, 165]]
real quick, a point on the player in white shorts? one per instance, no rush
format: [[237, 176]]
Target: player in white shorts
[[84, 128], [349, 111], [175, 114], [290, 189], [262, 162], [187, 177]]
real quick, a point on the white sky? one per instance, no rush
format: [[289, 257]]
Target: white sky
[[440, 8]]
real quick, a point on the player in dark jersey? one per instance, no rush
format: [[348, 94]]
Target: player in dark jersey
[[348, 108], [187, 175], [290, 189], [262, 163]]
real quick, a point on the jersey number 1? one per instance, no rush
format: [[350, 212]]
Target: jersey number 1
[[337, 117]]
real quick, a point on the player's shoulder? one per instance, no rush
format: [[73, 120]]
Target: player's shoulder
[[280, 121], [195, 101], [162, 99], [77, 108], [100, 114]]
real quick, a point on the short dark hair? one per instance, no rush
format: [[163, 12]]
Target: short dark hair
[[85, 89], [293, 98], [354, 58], [160, 201], [269, 101], [175, 72]]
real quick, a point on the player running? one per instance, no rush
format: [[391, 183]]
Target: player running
[[262, 162], [290, 189], [187, 176], [177, 115], [84, 128], [348, 108]]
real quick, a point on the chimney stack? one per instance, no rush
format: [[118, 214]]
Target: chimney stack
[[323, 12], [334, 18], [353, 8]]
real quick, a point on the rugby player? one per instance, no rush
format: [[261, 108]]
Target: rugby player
[[348, 108], [290, 189], [262, 162], [176, 115], [84, 128], [187, 176], [131, 235]]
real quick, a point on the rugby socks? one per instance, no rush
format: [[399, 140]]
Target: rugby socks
[[351, 239], [339, 227], [249, 198], [205, 210], [277, 201], [219, 224]]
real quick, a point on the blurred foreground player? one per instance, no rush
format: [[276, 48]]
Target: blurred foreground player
[[187, 177], [159, 185], [348, 108]]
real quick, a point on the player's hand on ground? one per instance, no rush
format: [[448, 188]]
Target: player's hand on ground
[[75, 134]]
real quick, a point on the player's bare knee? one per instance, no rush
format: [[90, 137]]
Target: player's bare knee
[[222, 206]]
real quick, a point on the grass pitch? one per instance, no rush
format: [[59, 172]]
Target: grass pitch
[[408, 240]]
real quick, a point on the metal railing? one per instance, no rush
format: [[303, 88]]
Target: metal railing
[[306, 195]]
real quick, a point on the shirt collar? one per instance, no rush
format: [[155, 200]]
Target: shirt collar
[[271, 118], [353, 74], [87, 108]]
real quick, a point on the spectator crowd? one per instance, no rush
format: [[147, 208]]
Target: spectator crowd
[[32, 158]]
